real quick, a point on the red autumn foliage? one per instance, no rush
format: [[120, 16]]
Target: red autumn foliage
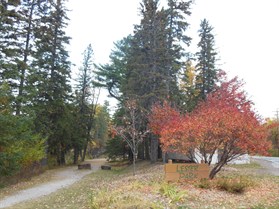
[[225, 122], [162, 116]]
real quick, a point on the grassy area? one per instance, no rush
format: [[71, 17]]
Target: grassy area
[[118, 188], [251, 165]]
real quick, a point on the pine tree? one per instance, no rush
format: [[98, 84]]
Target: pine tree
[[20, 20], [147, 64], [206, 60], [51, 74], [157, 52], [87, 99], [9, 44], [156, 57], [146, 76], [113, 75], [177, 25], [29, 11]]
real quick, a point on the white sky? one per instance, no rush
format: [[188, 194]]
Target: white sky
[[246, 35]]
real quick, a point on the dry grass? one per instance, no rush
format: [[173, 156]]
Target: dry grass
[[118, 188], [27, 183]]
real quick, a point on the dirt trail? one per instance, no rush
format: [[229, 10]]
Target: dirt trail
[[62, 178]]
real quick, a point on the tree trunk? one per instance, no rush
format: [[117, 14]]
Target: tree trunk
[[130, 155], [146, 149], [76, 152], [141, 152], [154, 149], [62, 158], [164, 157], [160, 152], [134, 163], [22, 67], [216, 169], [84, 151]]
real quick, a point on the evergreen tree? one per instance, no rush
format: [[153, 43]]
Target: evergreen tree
[[9, 44], [51, 74], [147, 64], [206, 60], [145, 72], [113, 75], [156, 57], [177, 25], [20, 20], [146, 76], [29, 11], [87, 99], [116, 148]]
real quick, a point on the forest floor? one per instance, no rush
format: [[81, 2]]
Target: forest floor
[[118, 188]]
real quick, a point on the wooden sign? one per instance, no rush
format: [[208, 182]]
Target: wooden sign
[[185, 172]]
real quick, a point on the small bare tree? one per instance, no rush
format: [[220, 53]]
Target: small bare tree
[[130, 131]]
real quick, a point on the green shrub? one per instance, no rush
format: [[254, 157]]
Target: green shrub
[[234, 185], [19, 146], [116, 148]]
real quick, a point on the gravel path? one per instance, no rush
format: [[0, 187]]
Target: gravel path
[[62, 178]]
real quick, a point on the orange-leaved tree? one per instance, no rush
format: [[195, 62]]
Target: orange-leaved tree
[[225, 123]]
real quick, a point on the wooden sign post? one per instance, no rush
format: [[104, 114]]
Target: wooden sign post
[[185, 172]]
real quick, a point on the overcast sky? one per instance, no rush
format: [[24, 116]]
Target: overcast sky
[[246, 35]]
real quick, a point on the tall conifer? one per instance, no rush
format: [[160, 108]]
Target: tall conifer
[[87, 98], [206, 60], [51, 77]]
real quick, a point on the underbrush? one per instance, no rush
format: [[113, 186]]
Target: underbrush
[[172, 192], [236, 185]]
